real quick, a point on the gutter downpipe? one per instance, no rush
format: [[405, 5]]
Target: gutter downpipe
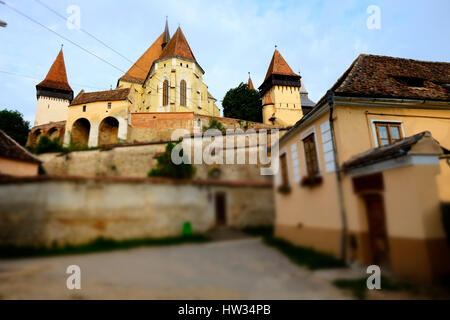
[[330, 100]]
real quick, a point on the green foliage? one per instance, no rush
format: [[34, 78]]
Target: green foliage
[[46, 144], [308, 257], [166, 168], [214, 124], [100, 244], [13, 124], [242, 103]]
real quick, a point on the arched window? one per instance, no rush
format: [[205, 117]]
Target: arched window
[[165, 93], [183, 93]]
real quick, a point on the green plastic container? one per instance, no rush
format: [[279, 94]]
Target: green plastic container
[[187, 229]]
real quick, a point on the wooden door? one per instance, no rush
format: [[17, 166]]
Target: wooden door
[[221, 215], [377, 229]]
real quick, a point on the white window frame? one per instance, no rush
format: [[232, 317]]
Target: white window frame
[[295, 162], [374, 130]]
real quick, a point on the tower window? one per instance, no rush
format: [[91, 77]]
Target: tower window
[[183, 93], [165, 93], [84, 108], [187, 66], [109, 105], [181, 64]]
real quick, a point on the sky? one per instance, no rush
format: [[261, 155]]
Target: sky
[[319, 39]]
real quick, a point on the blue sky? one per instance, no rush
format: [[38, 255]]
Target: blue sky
[[229, 38]]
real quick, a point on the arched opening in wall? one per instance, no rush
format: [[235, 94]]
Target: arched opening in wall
[[165, 93], [53, 133], [183, 93], [108, 131], [35, 136], [80, 132]]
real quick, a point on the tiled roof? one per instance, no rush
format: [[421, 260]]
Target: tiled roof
[[138, 71], [279, 66], [178, 47], [12, 150], [56, 77], [388, 77], [392, 151], [250, 84], [108, 95]]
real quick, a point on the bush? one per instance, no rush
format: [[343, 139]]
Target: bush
[[166, 168], [46, 144], [214, 124]]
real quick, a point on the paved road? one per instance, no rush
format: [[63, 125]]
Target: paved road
[[235, 269]]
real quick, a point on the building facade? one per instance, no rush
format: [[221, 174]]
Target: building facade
[[365, 174]]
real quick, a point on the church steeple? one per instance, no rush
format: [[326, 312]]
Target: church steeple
[[280, 93], [166, 37], [178, 47], [55, 83], [250, 82], [54, 94]]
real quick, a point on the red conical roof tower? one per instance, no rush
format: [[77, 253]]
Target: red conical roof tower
[[55, 83]]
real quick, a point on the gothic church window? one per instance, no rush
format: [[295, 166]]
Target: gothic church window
[[183, 93], [165, 93]]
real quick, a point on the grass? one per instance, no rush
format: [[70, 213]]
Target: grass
[[100, 244], [307, 257], [358, 287]]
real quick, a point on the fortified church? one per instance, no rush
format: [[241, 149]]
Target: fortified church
[[162, 91]]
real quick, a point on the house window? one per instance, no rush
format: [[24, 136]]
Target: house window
[[312, 164], [109, 105], [165, 93], [284, 172], [388, 132], [84, 108], [183, 93]]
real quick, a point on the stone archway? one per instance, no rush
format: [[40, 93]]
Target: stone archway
[[80, 132], [35, 136], [108, 131], [53, 133]]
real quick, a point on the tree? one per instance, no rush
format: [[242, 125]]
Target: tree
[[166, 168], [13, 124], [242, 103]]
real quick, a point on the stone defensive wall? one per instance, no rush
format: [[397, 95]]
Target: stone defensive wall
[[157, 126], [137, 159], [48, 210]]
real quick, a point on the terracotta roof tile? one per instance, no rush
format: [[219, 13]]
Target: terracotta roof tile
[[12, 150], [392, 151], [56, 77], [389, 77], [108, 95], [279, 66], [178, 47], [138, 71]]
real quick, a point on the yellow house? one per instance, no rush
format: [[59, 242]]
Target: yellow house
[[365, 175]]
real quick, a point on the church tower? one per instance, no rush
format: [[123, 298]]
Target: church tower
[[54, 94], [280, 93]]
